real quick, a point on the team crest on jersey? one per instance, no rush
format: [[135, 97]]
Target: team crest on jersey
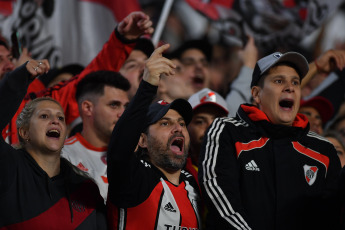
[[104, 159], [310, 173]]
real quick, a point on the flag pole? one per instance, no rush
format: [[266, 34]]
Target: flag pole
[[161, 22]]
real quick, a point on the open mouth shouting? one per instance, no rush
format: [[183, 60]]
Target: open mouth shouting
[[286, 104], [177, 145], [198, 81], [53, 133]]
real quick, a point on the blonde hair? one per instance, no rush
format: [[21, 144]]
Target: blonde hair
[[23, 119]]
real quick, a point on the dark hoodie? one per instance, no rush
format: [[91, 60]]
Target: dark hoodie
[[29, 198]]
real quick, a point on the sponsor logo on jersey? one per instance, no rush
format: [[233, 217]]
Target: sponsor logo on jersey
[[252, 166], [169, 207], [310, 173], [82, 167], [104, 159]]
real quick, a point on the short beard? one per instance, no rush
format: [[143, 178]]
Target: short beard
[[161, 155]]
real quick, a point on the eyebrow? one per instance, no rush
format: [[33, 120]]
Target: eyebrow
[[170, 119]]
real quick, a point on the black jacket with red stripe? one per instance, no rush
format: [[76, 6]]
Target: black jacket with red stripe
[[29, 198], [257, 175]]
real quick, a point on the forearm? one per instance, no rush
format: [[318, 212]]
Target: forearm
[[312, 71], [113, 54], [239, 90], [126, 135], [12, 91]]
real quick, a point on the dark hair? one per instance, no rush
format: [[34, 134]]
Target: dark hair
[[3, 43], [94, 83], [200, 44], [145, 46]]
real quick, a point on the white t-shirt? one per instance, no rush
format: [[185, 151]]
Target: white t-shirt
[[89, 159]]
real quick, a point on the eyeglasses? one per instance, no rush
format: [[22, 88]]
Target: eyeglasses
[[193, 62]]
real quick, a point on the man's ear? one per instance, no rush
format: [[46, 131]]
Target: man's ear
[[143, 140], [87, 108], [23, 133], [256, 94]]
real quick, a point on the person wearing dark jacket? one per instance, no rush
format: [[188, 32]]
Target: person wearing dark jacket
[[39, 189], [149, 189], [264, 169]]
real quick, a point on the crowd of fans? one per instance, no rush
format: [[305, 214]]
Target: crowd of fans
[[171, 136]]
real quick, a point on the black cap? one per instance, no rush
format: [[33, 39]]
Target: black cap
[[264, 64], [158, 109]]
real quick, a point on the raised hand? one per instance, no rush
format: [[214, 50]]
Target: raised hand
[[37, 67], [157, 65], [135, 25], [249, 54], [330, 61], [24, 57]]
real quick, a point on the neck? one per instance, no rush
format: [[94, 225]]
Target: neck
[[94, 139], [173, 177], [50, 163], [194, 153]]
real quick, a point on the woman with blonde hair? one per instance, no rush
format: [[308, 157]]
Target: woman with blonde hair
[[39, 189]]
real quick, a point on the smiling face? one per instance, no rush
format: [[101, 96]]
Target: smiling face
[[167, 142], [46, 130], [280, 94]]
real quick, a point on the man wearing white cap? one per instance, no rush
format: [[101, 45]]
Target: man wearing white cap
[[264, 169], [207, 105]]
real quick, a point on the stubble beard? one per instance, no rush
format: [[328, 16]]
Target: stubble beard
[[161, 155]]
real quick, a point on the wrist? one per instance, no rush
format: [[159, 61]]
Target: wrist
[[123, 38]]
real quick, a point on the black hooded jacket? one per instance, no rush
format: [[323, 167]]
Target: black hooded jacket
[[29, 198]]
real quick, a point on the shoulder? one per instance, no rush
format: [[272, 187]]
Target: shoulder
[[227, 125], [319, 144], [317, 139], [71, 140], [231, 121]]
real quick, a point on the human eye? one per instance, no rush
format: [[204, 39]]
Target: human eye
[[182, 123], [204, 62], [340, 153], [188, 61], [278, 81], [164, 123], [296, 82], [131, 65], [44, 116], [61, 118], [199, 122], [114, 105]]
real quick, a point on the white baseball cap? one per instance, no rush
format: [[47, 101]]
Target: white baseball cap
[[207, 96]]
